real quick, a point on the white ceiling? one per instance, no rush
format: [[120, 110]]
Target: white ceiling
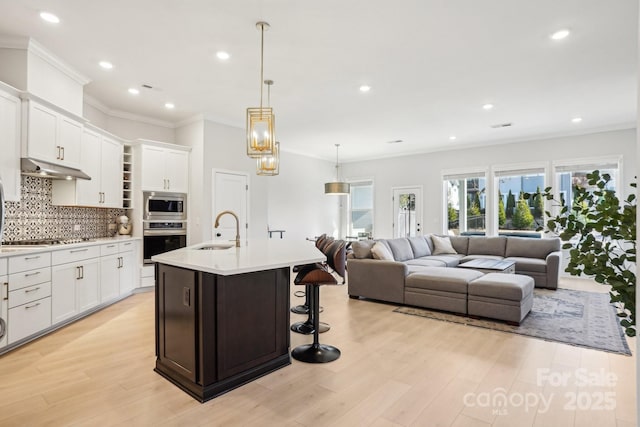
[[431, 64]]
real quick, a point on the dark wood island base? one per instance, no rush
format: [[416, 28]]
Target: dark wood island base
[[215, 333]]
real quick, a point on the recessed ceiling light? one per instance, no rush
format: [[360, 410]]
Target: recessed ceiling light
[[169, 105], [106, 65], [49, 17], [365, 88], [576, 119], [452, 137], [133, 91], [560, 34], [487, 106], [223, 55]]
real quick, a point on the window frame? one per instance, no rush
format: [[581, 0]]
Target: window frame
[[355, 183]]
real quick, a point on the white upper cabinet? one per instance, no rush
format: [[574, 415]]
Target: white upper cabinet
[[52, 137], [164, 169], [101, 159], [10, 107]]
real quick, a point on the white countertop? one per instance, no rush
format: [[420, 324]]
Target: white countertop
[[256, 255], [9, 251]]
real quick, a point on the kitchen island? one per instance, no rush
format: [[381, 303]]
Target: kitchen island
[[222, 313]]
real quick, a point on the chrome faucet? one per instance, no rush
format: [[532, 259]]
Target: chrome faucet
[[217, 224]]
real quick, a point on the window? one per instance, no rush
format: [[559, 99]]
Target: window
[[571, 176], [466, 204], [361, 209], [515, 212]]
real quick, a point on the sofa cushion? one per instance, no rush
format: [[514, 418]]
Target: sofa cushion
[[442, 279], [400, 248], [442, 245], [419, 246], [449, 260], [487, 245], [426, 262], [514, 287], [529, 264], [472, 257], [362, 249], [460, 244], [381, 251], [531, 248]]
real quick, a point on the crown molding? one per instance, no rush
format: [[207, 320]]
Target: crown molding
[[46, 55], [103, 108], [32, 46]]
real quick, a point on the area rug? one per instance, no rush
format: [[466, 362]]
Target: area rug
[[585, 319]]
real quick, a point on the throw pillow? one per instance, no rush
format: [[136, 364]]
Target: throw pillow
[[380, 251], [442, 245]]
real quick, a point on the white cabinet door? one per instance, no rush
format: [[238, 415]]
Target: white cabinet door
[[10, 140], [63, 292], [177, 171], [88, 191], [70, 139], [109, 277], [153, 169], [42, 134], [111, 174], [87, 286], [29, 319], [127, 271]]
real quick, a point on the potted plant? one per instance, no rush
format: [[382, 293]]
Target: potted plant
[[600, 234]]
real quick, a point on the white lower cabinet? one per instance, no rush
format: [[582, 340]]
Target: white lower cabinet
[[28, 295], [75, 286], [42, 289], [117, 270], [28, 319]]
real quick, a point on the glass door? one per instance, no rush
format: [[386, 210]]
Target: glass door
[[407, 211]]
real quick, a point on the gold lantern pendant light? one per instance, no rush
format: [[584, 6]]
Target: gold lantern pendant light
[[338, 187], [269, 164], [261, 138]]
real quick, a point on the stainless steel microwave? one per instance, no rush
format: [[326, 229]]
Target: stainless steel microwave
[[164, 206]]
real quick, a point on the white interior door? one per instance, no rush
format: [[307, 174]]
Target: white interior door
[[230, 193], [407, 211]]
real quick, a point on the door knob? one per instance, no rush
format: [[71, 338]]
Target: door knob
[[218, 235]]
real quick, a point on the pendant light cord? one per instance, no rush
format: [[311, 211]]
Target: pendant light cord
[[261, 63]]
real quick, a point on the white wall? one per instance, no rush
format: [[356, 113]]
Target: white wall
[[132, 129], [192, 135], [426, 169], [297, 202]]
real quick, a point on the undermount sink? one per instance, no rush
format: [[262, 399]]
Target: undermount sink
[[216, 246]]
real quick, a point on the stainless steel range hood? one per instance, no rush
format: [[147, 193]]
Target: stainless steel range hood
[[38, 168]]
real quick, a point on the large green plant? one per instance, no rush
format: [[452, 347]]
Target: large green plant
[[522, 218], [601, 235]]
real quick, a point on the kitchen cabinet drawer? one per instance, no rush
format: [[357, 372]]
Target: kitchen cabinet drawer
[[29, 278], [74, 255], [110, 249], [29, 294], [4, 267], [29, 262], [126, 246], [28, 319]]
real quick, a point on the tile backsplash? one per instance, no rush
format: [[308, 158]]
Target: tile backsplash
[[33, 217]]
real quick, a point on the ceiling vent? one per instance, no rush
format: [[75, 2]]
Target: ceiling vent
[[147, 86], [395, 141], [501, 125]]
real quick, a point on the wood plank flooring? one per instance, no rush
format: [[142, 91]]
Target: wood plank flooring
[[395, 370]]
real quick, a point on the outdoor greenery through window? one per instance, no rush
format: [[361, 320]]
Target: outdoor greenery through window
[[466, 204], [568, 178], [515, 212], [361, 209]]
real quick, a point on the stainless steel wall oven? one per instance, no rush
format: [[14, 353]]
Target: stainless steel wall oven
[[162, 236]]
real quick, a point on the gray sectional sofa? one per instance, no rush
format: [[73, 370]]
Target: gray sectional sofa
[[417, 276]]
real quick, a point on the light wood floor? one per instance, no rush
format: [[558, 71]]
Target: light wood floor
[[395, 370]]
